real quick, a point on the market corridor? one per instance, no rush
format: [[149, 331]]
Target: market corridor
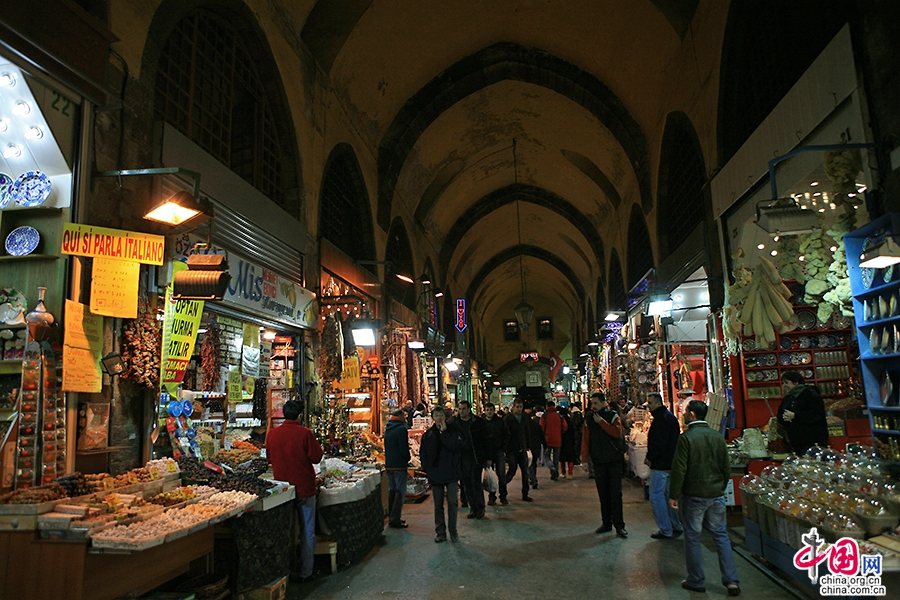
[[546, 549]]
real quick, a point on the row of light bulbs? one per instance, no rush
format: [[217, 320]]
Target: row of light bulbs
[[20, 109]]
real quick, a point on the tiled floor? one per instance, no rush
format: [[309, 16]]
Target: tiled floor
[[545, 549]]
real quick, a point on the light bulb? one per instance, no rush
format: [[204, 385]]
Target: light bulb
[[21, 108], [34, 133], [834, 248], [761, 247], [12, 151], [801, 258], [814, 184], [776, 238], [774, 252], [821, 210], [4, 125], [7, 79]]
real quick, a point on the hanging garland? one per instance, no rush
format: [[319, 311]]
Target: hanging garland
[[209, 356]]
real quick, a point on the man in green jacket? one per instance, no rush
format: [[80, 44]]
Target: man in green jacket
[[700, 471]]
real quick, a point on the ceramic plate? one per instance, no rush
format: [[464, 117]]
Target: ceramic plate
[[749, 345], [804, 341], [22, 241], [823, 341], [806, 319], [785, 343], [839, 321], [784, 359], [887, 273], [884, 308], [874, 341], [646, 351], [868, 275], [5, 197], [31, 188], [887, 389], [886, 344], [805, 358]]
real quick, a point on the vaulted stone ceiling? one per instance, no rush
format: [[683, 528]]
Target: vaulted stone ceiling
[[510, 135]]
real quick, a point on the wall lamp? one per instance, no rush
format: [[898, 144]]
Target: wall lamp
[[112, 364], [416, 345], [880, 255], [438, 293], [364, 331], [451, 365], [182, 207]]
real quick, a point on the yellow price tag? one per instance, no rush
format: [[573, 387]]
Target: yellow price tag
[[132, 479], [172, 467], [109, 483], [154, 475]]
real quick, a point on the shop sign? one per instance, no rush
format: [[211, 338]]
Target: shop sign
[[114, 288], [82, 347], [530, 355], [350, 374], [181, 321], [263, 291], [116, 244], [235, 385], [461, 323]]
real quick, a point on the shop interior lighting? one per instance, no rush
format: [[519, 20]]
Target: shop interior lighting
[[180, 208], [34, 133], [405, 278], [425, 279], [438, 293], [594, 342], [882, 254], [12, 151], [7, 79], [21, 108], [416, 345], [565, 369], [497, 383], [269, 335], [451, 365], [659, 304], [784, 217], [613, 315], [4, 125], [363, 332]]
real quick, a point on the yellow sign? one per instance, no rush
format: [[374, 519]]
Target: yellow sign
[[250, 385], [116, 244], [350, 374], [82, 347], [251, 335], [234, 385], [114, 288], [181, 321]]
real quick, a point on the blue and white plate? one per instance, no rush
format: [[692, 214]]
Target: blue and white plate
[[5, 197], [31, 188], [22, 241], [867, 275]]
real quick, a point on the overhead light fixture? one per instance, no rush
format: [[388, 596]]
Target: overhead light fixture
[[659, 304], [883, 254], [4, 125], [451, 365], [497, 383], [34, 133], [425, 279], [12, 151], [416, 345], [7, 79], [268, 335], [613, 315], [783, 216], [523, 311], [180, 208], [405, 278], [594, 342], [363, 332], [206, 277], [438, 293], [21, 108], [565, 369]]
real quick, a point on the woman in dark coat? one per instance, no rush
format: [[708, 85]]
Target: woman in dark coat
[[568, 455], [802, 413]]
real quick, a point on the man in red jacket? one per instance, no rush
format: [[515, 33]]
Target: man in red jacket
[[552, 426], [293, 450]]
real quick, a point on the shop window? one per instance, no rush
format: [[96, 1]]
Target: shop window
[[682, 176], [545, 328], [511, 331], [208, 87]]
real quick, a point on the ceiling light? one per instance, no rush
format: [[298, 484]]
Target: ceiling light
[[565, 369], [497, 383], [860, 188], [363, 331], [405, 278], [821, 210], [761, 247], [817, 194], [415, 345], [21, 108], [801, 258], [178, 209], [814, 184], [523, 312], [4, 125], [782, 216], [12, 151], [594, 343], [612, 316], [660, 304], [7, 79], [774, 252], [438, 293], [269, 335], [425, 279], [34, 133], [881, 255], [451, 366], [833, 248], [776, 238]]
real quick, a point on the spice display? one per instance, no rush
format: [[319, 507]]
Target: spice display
[[209, 356], [141, 348]]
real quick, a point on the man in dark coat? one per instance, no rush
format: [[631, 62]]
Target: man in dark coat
[[661, 441], [536, 443], [517, 448], [473, 457], [439, 453], [497, 440], [604, 445], [802, 413], [396, 462]]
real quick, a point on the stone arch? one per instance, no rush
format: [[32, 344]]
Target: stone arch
[[232, 139], [640, 249], [500, 62], [683, 200], [345, 216], [756, 71]]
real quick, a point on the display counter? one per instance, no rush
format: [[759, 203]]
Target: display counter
[[353, 516]]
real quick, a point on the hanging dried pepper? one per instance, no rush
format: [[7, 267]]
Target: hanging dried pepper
[[209, 356], [142, 347]]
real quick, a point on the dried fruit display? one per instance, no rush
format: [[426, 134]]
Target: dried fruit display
[[209, 356], [141, 347], [34, 495]]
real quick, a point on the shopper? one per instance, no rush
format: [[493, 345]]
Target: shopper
[[576, 418], [439, 455], [292, 449], [396, 463], [700, 471], [552, 426], [473, 457], [497, 440], [517, 448], [536, 445], [604, 446], [802, 413], [661, 441], [567, 452]]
